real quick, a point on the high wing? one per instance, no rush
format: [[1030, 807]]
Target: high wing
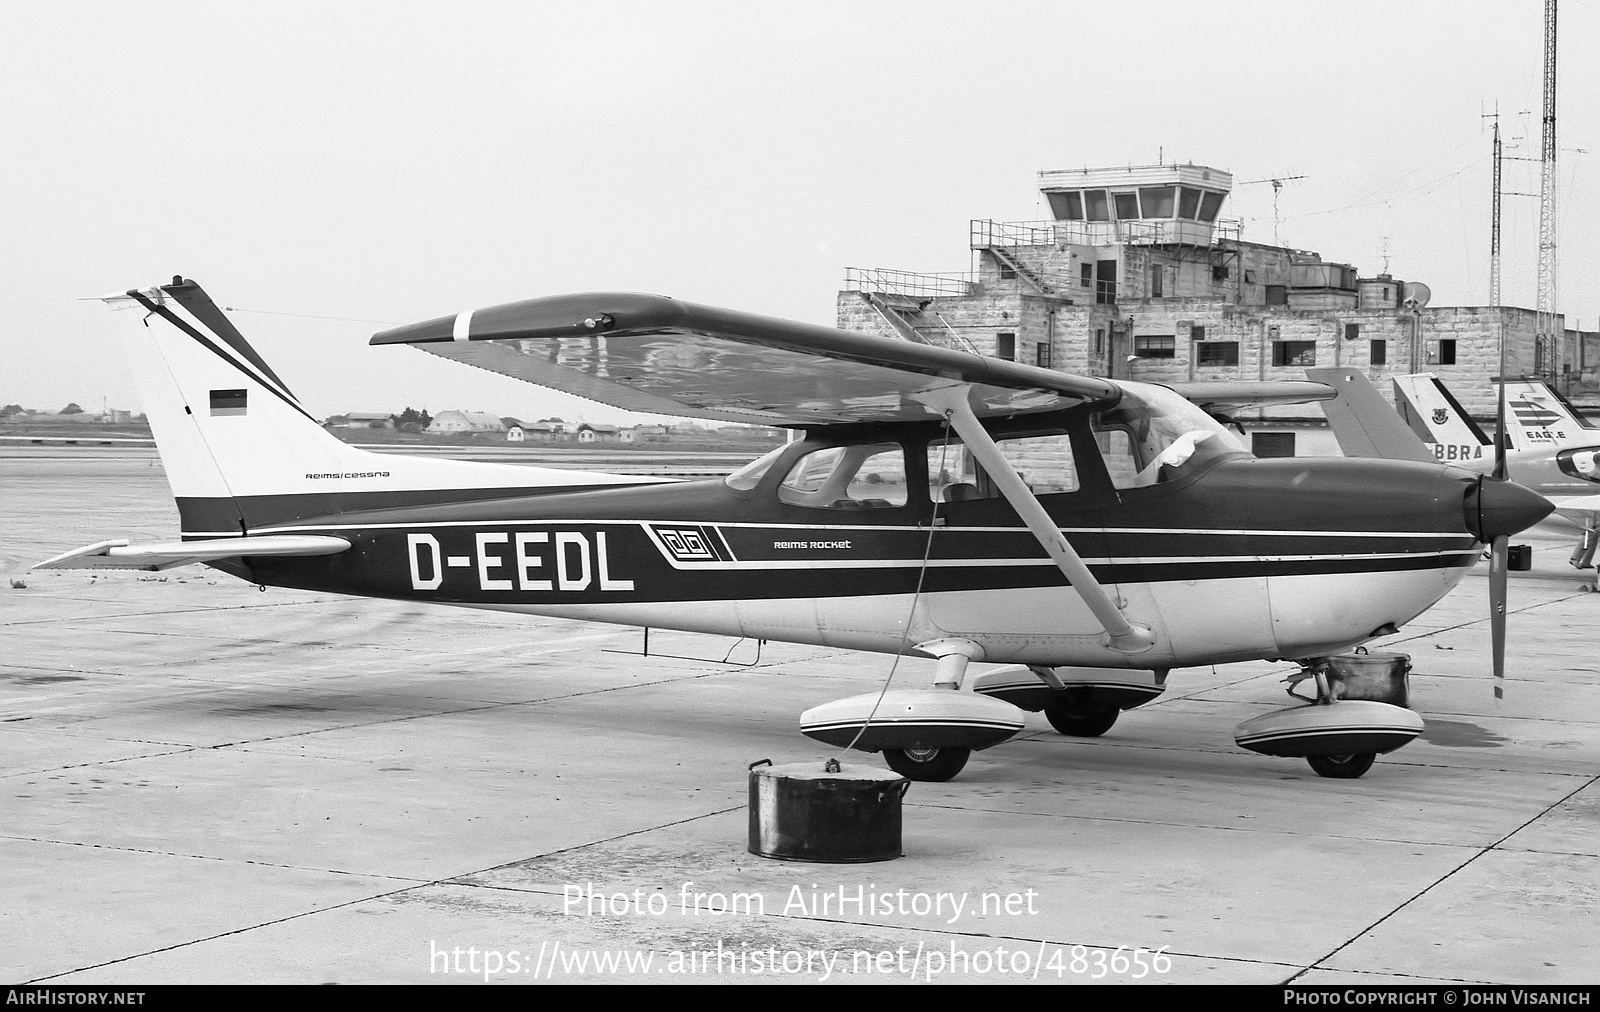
[[167, 555], [654, 354]]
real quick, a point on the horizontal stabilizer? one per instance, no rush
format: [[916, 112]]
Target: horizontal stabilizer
[[168, 554]]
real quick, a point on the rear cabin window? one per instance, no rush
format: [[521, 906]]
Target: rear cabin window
[[871, 476], [750, 475]]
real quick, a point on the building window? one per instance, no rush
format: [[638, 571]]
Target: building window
[[1086, 275], [1127, 205], [1294, 353], [1380, 352], [1277, 295], [1197, 332], [1154, 345], [1005, 346], [1100, 341], [1217, 353], [1447, 351], [1041, 355], [1105, 282], [1272, 444], [1155, 283], [1352, 331]]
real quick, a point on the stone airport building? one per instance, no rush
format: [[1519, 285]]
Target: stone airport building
[[1138, 275]]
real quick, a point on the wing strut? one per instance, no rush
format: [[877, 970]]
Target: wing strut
[[1122, 635]]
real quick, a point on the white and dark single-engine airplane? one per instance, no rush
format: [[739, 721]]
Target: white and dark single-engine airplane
[[1086, 534]]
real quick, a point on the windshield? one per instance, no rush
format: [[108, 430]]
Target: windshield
[[1154, 435]]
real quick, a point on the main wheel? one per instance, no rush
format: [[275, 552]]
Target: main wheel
[[1080, 722], [1342, 767], [927, 764]]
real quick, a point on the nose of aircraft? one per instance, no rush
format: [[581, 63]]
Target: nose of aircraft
[[1496, 507]]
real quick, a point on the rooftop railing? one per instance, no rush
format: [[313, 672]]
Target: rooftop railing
[[908, 285], [985, 233]]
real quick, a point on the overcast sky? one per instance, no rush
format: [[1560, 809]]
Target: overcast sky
[[331, 168]]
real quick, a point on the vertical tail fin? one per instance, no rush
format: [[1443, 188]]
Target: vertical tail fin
[[1540, 418], [1438, 418], [242, 453]]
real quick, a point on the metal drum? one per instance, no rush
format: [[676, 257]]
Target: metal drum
[[1379, 677], [821, 812]]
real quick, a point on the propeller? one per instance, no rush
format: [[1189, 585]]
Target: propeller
[[1500, 548]]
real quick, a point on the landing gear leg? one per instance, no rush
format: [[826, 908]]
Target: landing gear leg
[[1583, 554]]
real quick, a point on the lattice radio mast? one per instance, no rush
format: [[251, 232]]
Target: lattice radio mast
[[1547, 340], [1494, 229]]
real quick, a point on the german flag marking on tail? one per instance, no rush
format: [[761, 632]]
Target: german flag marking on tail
[[228, 402]]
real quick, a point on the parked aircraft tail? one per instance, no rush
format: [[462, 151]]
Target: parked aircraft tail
[[1438, 419], [1539, 418], [242, 453]]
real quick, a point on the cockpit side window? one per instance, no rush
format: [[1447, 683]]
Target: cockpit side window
[[870, 476], [1044, 460]]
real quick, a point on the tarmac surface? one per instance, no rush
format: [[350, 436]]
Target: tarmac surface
[[204, 783]]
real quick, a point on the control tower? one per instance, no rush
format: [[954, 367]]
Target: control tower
[[1154, 204]]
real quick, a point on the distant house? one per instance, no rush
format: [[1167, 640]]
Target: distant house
[[515, 434], [362, 420], [466, 421], [600, 434]]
